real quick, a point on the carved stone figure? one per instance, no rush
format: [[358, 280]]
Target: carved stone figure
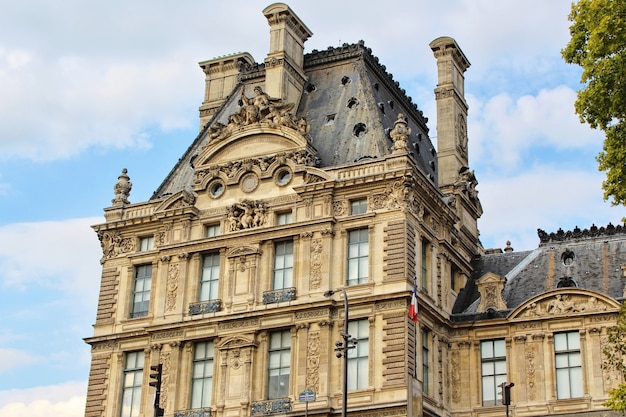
[[245, 215], [261, 108]]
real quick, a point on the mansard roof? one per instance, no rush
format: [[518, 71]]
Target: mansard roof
[[591, 259], [351, 105]]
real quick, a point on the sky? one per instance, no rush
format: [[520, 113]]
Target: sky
[[91, 87]]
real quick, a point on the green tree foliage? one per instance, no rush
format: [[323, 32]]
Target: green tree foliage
[[598, 45], [615, 360]]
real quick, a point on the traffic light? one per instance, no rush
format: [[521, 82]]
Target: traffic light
[[156, 372], [506, 392], [155, 378]]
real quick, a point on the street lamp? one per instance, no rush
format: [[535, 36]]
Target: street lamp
[[341, 348]]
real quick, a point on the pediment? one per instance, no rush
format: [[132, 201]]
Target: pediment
[[236, 342], [250, 142], [564, 302], [243, 251], [180, 200]]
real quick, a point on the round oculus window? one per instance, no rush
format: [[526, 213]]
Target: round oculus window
[[283, 177], [216, 189]]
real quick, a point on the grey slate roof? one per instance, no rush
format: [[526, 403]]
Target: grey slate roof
[[592, 259], [351, 103]]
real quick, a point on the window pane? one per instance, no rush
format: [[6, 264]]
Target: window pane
[[560, 341]]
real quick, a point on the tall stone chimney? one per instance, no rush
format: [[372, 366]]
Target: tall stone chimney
[[451, 109], [284, 65], [455, 177]]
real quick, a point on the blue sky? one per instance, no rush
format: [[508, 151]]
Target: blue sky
[[89, 88]]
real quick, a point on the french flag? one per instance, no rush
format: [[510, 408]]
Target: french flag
[[413, 306]]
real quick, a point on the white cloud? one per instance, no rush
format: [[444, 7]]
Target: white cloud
[[545, 197], [63, 400], [13, 358], [503, 130], [66, 254]]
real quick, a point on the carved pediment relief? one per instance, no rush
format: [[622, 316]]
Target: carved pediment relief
[[243, 251], [236, 342], [261, 109], [490, 287], [565, 302], [179, 200]]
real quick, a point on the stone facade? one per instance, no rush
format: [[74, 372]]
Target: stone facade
[[314, 173]]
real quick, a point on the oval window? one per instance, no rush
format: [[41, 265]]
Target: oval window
[[283, 177], [216, 189]]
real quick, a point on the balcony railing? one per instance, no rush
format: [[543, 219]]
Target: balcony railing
[[279, 296], [271, 407], [201, 307], [197, 412]]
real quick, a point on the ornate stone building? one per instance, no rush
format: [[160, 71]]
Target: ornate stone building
[[313, 190]]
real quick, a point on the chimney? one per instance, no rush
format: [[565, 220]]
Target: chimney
[[284, 65], [451, 110], [221, 76]]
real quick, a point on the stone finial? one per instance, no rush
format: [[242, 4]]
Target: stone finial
[[122, 189], [400, 134]]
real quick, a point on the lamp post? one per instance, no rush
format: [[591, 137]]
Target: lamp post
[[342, 349]]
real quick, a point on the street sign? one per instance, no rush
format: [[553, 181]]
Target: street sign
[[306, 395]]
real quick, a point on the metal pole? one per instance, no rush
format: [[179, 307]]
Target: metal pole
[[344, 405]]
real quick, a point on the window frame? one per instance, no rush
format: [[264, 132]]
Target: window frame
[[209, 277], [132, 373], [426, 338], [283, 218], [146, 243], [573, 373], [491, 382], [283, 264], [278, 364], [357, 270], [141, 297], [358, 206], [358, 357], [207, 363], [426, 259], [212, 230]]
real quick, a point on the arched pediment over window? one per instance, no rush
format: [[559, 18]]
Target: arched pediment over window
[[247, 143], [180, 200], [569, 301]]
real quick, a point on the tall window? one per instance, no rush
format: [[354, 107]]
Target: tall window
[[569, 372], [358, 206], [141, 291], [209, 281], [202, 375], [283, 265], [358, 254], [131, 384], [493, 362], [278, 365], [426, 362], [358, 357], [425, 264], [146, 243]]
